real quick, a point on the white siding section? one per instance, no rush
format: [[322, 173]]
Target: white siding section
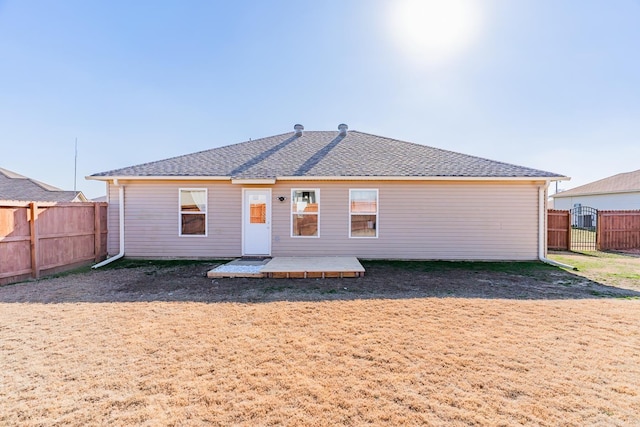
[[417, 220], [613, 202]]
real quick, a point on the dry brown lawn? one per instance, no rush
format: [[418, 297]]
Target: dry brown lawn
[[353, 361]]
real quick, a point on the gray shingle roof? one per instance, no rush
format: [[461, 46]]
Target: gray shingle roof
[[327, 154], [627, 182], [14, 186]]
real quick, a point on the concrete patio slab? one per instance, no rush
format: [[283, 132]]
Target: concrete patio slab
[[241, 267]]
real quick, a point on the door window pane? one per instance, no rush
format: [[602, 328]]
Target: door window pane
[[257, 209]]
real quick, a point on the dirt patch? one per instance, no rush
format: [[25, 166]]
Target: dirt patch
[[409, 344], [383, 279]]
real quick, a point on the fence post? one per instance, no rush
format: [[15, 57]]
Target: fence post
[[568, 230], [33, 231], [599, 231]]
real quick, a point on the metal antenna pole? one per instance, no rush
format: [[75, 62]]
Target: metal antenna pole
[[75, 167]]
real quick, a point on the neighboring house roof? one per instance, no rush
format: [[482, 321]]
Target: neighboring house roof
[[627, 182], [14, 186], [326, 154]]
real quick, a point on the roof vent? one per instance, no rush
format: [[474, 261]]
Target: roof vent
[[343, 129], [298, 128]]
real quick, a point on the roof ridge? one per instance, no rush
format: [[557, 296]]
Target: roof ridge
[[46, 186], [11, 174], [623, 173], [15, 175]]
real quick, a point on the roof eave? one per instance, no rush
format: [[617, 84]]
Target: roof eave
[[423, 178], [323, 178], [593, 193], [157, 178]]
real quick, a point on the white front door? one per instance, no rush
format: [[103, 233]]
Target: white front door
[[256, 222]]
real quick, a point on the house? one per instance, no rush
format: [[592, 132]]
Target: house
[[617, 192], [14, 186], [320, 193]]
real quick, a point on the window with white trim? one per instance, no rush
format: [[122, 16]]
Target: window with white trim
[[193, 212], [305, 213], [363, 213]]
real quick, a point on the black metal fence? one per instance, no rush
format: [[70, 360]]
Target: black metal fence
[[584, 223]]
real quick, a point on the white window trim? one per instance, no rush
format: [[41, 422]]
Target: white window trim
[[206, 213], [377, 213], [317, 191]]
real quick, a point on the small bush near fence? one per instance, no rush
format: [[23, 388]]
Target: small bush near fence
[[45, 238]]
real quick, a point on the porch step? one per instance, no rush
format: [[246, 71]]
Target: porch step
[[290, 268], [313, 267]]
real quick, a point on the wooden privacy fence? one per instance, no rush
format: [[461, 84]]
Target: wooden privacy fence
[[558, 229], [618, 230], [614, 230], [44, 238]]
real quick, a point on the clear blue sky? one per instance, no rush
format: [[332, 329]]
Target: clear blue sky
[[549, 84]]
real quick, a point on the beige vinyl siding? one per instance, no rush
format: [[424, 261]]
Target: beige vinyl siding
[[416, 220], [422, 220], [152, 221]]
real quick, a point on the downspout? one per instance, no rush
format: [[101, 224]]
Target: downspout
[[120, 254], [542, 190]]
